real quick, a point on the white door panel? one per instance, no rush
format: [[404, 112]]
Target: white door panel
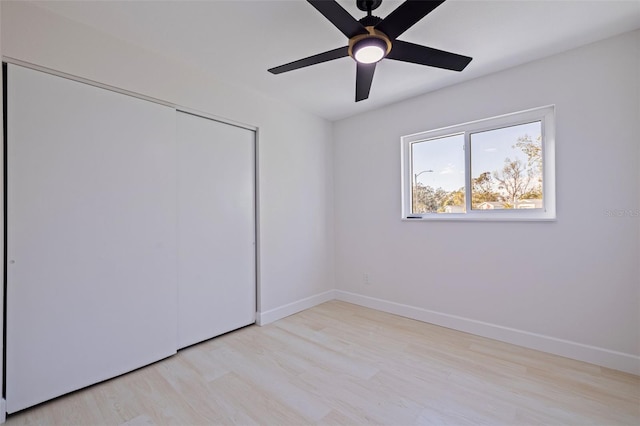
[[91, 289], [216, 228]]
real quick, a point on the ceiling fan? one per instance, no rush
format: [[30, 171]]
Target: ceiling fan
[[372, 39]]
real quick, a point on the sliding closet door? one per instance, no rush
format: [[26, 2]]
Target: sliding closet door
[[91, 235], [216, 228]]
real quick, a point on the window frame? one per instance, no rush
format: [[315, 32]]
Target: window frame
[[546, 116]]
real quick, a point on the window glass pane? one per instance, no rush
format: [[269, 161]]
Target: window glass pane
[[437, 173], [506, 168]]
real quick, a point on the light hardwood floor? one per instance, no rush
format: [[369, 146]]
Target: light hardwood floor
[[342, 364]]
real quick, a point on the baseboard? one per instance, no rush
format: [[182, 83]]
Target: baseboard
[[603, 357], [264, 318]]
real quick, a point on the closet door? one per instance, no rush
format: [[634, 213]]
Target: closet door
[[216, 228], [91, 229]]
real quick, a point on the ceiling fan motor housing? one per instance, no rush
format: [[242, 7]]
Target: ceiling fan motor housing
[[377, 37], [370, 21]]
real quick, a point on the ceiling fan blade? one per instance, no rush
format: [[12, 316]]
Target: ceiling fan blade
[[339, 17], [364, 77], [405, 16], [340, 52], [423, 55]]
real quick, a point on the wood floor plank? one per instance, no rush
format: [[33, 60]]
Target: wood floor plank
[[341, 364], [246, 403], [275, 382]]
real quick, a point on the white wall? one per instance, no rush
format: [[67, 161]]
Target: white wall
[[570, 286], [294, 149]]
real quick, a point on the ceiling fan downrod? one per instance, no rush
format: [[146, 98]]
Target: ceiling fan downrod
[[368, 6]]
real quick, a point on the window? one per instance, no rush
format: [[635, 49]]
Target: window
[[500, 168]]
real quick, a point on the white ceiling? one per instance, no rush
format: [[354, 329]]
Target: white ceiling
[[237, 41]]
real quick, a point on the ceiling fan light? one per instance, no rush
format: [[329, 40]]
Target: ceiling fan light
[[369, 50]]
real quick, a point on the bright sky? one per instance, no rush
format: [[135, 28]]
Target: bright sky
[[445, 156]]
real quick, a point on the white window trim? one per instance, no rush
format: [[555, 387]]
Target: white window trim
[[546, 115]]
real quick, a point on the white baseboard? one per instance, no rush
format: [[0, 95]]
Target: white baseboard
[[264, 318], [606, 358]]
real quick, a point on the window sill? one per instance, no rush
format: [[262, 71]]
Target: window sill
[[456, 217]]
